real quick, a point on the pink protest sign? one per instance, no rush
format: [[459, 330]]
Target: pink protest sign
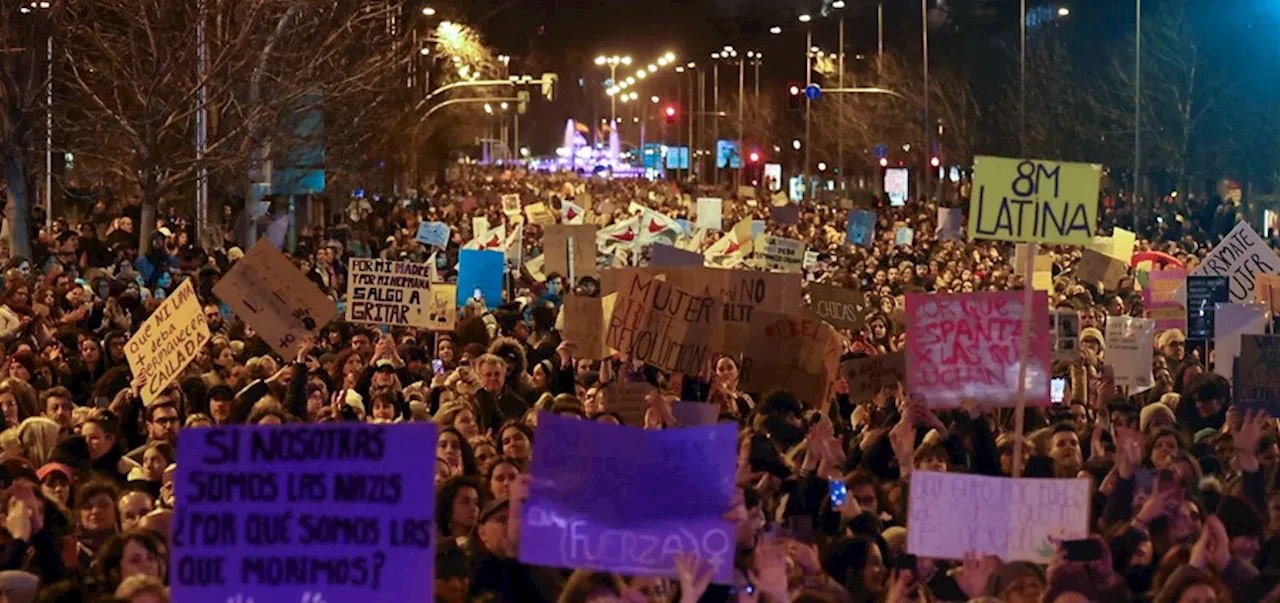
[[1161, 299], [965, 346]]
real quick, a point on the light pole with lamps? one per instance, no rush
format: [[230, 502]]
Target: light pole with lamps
[[808, 79], [612, 62]]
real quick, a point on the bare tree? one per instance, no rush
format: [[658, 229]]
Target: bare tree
[[23, 79], [133, 72]]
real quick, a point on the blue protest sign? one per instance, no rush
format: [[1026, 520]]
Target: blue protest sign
[[862, 228], [627, 500], [757, 228], [332, 512], [482, 270], [433, 233], [905, 235]]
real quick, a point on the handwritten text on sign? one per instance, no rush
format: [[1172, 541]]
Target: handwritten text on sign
[[1032, 200], [277, 511], [627, 500], [389, 293], [965, 346], [1241, 257], [1014, 519], [661, 325], [168, 341], [271, 295]]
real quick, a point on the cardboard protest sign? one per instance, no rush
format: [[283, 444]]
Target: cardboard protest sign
[[1257, 374], [904, 235], [843, 308], [695, 413], [1204, 293], [1267, 292], [271, 295], [1161, 299], [1014, 519], [538, 213], [868, 375], [1118, 246], [561, 242], [1029, 200], [792, 352], [626, 500], [1240, 257], [709, 213], [1130, 345], [667, 255], [584, 325], [511, 204], [383, 292], [785, 215], [336, 511], [1231, 322], [662, 325], [1042, 267], [1096, 268], [168, 341], [434, 234], [965, 346], [742, 293], [950, 224], [442, 307], [778, 253], [628, 399], [480, 271], [746, 191], [861, 228]]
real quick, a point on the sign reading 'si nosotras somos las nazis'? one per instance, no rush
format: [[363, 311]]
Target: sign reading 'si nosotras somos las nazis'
[[1029, 200]]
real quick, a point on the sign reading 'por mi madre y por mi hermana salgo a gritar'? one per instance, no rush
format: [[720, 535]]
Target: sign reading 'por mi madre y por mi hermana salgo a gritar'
[[1028, 200]]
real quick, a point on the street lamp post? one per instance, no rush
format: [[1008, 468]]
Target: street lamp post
[[928, 123], [808, 79], [840, 82], [715, 117], [612, 62]]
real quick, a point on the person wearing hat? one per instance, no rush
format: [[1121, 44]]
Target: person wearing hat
[[1154, 417], [494, 567], [1017, 582], [1091, 340]]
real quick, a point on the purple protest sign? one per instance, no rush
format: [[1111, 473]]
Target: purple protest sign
[[626, 500], [336, 512]]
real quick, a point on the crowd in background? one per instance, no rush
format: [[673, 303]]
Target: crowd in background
[[88, 469]]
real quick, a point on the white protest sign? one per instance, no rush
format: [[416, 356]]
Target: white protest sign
[[709, 213], [1014, 519], [1230, 323], [383, 292], [1241, 256], [778, 253], [1129, 350]]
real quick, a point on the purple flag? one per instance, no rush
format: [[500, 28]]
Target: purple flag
[[336, 512], [627, 500]]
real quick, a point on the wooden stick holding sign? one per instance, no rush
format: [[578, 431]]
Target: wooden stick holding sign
[[1024, 345]]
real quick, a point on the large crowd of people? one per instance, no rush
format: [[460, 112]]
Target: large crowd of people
[[88, 469]]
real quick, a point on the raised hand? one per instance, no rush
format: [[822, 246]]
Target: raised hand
[[694, 575], [975, 572]]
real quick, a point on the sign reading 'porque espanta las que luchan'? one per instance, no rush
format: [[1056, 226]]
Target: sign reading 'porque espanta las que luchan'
[[1029, 200]]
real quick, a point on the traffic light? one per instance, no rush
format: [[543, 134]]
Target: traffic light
[[884, 162], [934, 161], [671, 114], [754, 157], [795, 97]]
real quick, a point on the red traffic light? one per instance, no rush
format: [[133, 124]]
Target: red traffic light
[[671, 111], [753, 157]]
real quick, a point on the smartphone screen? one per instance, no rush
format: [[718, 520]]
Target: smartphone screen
[[839, 492], [1057, 390], [476, 294], [1082, 550], [437, 366]]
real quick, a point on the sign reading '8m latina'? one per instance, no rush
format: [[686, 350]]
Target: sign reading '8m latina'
[[1029, 200]]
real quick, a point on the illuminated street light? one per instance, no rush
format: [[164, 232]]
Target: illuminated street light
[[680, 69], [640, 75], [837, 4], [805, 18], [822, 166], [630, 81], [488, 108], [428, 11], [653, 99], [775, 30], [691, 65], [795, 144], [669, 56], [653, 68], [503, 105], [425, 51], [1063, 11], [715, 56]]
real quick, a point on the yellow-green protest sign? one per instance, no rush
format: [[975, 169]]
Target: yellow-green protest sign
[[1027, 200], [168, 341]]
